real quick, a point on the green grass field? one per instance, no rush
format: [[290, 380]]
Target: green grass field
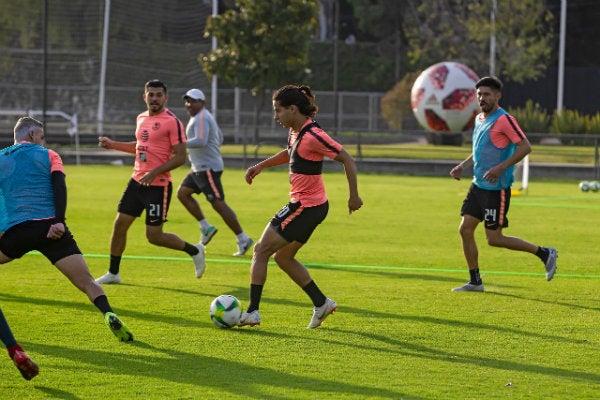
[[419, 151], [399, 332]]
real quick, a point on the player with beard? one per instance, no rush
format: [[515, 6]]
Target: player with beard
[[159, 148], [498, 144]]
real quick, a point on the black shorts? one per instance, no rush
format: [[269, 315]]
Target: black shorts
[[31, 235], [207, 182], [296, 223], [154, 199], [490, 206]]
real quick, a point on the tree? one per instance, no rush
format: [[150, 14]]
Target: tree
[[395, 105], [382, 21], [460, 30], [524, 38], [261, 45]]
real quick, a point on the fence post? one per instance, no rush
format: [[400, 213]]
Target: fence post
[[596, 159]]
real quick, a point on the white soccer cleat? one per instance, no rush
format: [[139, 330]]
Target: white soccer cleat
[[109, 278], [320, 313], [243, 247], [252, 319], [469, 287], [199, 261], [551, 263]]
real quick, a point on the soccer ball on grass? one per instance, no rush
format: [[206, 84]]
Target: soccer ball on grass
[[225, 311]]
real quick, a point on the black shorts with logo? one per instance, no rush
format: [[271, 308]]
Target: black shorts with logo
[[154, 199], [32, 235], [296, 223], [207, 182], [490, 206]]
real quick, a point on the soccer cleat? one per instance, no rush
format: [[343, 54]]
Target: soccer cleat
[[199, 261], [208, 234], [252, 319], [120, 330], [27, 367], [320, 313], [469, 287], [109, 278], [243, 247], [551, 263]]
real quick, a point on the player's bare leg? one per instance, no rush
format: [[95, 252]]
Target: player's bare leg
[[467, 234], [118, 239]]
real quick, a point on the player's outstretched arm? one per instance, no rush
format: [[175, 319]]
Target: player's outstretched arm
[[280, 158], [106, 143], [354, 200]]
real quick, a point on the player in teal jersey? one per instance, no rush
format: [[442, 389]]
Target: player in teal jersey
[[33, 207], [498, 144]]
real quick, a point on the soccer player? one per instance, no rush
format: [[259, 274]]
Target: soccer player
[[33, 203], [292, 226], [204, 139], [498, 144], [159, 147], [26, 366]]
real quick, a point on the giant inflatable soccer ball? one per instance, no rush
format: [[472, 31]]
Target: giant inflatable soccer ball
[[444, 99]]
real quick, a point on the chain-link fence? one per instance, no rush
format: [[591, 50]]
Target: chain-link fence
[[67, 72]]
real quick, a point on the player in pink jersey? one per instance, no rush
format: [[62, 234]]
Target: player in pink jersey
[[159, 147], [292, 226]]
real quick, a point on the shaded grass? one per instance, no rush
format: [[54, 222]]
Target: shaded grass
[[399, 332]]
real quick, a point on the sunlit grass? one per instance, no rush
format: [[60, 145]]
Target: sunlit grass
[[399, 332]]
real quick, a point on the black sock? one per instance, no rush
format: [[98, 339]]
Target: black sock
[[542, 253], [115, 262], [255, 295], [475, 277], [315, 294], [191, 249], [102, 303]]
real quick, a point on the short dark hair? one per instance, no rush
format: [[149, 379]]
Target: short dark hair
[[155, 83], [490, 81]]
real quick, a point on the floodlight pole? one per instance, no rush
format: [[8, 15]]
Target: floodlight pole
[[45, 63], [213, 94], [561, 56], [336, 28], [493, 38], [101, 89]]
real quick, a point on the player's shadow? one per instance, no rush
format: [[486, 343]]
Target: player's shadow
[[199, 371], [56, 393], [414, 274], [406, 348], [550, 302]]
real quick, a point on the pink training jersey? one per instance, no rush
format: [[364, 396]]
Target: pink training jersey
[[56, 163], [310, 189], [156, 135], [504, 131]]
